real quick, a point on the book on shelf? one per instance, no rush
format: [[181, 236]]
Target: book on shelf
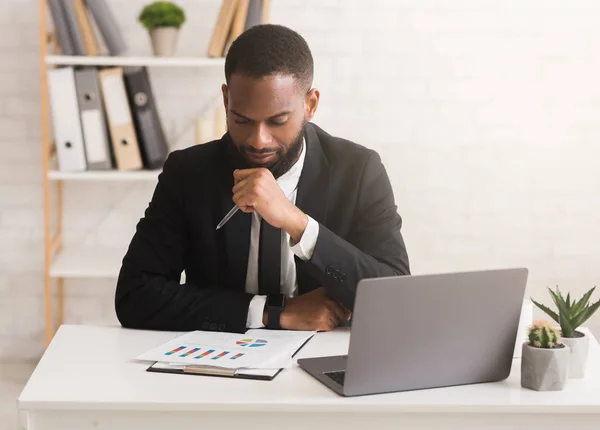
[[235, 17]]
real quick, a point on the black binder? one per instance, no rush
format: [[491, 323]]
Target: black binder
[[149, 129]]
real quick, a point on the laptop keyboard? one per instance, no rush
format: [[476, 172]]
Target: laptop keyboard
[[337, 376]]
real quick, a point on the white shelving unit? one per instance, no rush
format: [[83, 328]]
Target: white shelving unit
[[72, 262], [65, 60], [108, 175], [75, 262]]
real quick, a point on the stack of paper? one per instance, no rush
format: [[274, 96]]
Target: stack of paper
[[256, 349]]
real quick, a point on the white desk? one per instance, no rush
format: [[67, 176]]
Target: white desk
[[87, 380]]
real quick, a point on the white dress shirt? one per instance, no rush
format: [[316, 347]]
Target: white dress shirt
[[288, 183]]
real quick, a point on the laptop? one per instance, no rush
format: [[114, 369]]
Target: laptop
[[427, 331]]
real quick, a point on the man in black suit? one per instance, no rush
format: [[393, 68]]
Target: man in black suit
[[317, 212]]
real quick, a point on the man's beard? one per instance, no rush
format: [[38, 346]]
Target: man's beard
[[284, 160]]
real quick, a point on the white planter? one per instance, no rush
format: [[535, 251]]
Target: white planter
[[544, 369], [579, 346], [164, 41], [525, 321]]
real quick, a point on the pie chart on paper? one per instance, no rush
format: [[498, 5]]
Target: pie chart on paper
[[252, 343]]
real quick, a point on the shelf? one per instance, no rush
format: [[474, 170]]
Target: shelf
[[108, 175], [84, 60], [99, 262], [87, 263]]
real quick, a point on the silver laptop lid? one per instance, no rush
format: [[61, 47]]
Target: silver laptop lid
[[425, 331]]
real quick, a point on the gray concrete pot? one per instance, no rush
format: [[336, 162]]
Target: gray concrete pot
[[544, 369], [579, 346], [164, 41]]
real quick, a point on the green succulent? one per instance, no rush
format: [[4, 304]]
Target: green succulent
[[162, 14], [571, 314], [542, 335]]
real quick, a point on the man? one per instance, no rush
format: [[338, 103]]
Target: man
[[317, 212]]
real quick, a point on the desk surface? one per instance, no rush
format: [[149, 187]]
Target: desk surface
[[91, 368]]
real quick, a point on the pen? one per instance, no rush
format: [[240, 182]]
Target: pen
[[228, 216]]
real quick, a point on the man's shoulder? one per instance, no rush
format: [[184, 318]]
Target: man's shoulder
[[341, 150], [197, 158]]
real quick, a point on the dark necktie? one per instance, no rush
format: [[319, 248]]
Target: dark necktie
[[269, 259]]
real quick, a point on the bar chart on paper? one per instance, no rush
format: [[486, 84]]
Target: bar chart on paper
[[198, 353], [256, 349]]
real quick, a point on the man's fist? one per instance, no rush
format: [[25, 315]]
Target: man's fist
[[314, 311], [257, 190]]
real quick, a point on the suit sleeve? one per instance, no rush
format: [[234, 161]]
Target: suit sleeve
[[149, 294], [374, 246]]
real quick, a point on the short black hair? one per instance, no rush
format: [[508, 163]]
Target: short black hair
[[270, 49]]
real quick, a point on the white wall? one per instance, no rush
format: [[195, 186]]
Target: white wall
[[486, 113]]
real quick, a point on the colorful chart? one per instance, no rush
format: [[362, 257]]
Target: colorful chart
[[236, 356], [176, 350], [223, 354], [190, 352], [205, 353], [252, 343]]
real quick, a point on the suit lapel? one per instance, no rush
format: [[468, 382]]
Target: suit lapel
[[237, 230], [312, 194]]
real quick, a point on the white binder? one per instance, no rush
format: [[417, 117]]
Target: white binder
[[64, 107]]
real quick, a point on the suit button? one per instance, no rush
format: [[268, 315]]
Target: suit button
[[329, 270], [221, 327], [213, 326], [205, 325]]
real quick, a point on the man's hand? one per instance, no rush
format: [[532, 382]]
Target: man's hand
[[257, 190], [314, 311]]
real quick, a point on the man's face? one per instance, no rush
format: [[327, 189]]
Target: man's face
[[266, 118]]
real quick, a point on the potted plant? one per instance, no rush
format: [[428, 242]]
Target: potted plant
[[572, 314], [545, 360], [162, 19]]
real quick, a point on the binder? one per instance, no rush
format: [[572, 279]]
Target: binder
[[61, 28], [64, 109], [148, 126], [73, 26], [107, 26], [93, 121], [87, 33], [120, 122]]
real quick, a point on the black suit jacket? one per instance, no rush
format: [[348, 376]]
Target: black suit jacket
[[343, 186]]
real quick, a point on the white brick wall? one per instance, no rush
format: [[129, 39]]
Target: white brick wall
[[487, 115]]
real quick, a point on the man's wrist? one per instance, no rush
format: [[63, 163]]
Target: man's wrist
[[284, 319], [296, 224], [274, 307]]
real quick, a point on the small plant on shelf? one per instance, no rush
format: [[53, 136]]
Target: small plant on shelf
[[163, 20], [545, 359], [570, 315]]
